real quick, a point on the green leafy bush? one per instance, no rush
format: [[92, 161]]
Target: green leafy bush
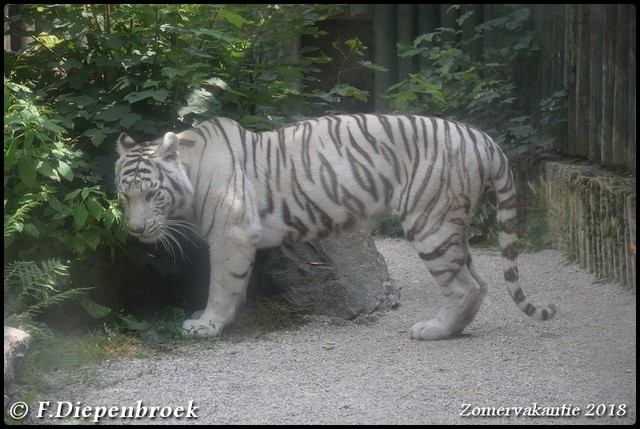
[[52, 202], [145, 68], [477, 91]]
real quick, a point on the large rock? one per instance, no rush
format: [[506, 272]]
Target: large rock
[[16, 343], [339, 277]]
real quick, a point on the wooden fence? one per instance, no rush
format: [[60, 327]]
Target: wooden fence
[[587, 51], [601, 62]]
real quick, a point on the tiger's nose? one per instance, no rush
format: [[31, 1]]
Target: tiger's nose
[[136, 230]]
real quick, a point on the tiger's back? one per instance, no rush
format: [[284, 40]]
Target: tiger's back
[[334, 174], [339, 173]]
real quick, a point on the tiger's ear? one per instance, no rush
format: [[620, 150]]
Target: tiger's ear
[[125, 144], [168, 148]]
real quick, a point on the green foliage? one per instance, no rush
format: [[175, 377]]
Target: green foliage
[[52, 202], [554, 109], [345, 52], [457, 84], [30, 288], [140, 67], [389, 227]]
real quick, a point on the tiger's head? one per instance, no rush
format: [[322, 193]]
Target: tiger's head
[[155, 188]]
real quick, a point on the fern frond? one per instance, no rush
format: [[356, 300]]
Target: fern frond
[[13, 223], [30, 288], [38, 307], [26, 278]]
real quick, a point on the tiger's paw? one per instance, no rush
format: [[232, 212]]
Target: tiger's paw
[[201, 328], [432, 330]]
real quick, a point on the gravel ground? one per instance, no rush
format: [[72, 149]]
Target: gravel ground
[[369, 371]]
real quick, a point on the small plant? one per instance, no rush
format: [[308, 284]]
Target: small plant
[[345, 53], [389, 227], [30, 288], [571, 255]]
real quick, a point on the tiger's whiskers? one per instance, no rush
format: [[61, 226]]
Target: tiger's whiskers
[[170, 233]]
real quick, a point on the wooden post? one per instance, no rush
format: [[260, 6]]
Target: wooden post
[[631, 146], [621, 87], [596, 60], [384, 23], [407, 18], [608, 71]]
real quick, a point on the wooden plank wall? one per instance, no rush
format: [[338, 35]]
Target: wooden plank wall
[[601, 62], [587, 50]]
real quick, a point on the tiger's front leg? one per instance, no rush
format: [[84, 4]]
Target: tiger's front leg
[[232, 253]]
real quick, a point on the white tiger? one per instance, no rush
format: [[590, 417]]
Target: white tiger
[[244, 191]]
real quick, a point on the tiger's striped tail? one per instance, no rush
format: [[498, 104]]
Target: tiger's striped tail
[[504, 186]]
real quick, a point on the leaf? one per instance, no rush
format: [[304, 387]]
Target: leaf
[[463, 18], [85, 193], [156, 94], [347, 90], [31, 230], [98, 135], [217, 34], [108, 218], [71, 195], [94, 309], [372, 66], [408, 50], [428, 37], [128, 120], [113, 112], [403, 97], [47, 170], [235, 19], [324, 59], [56, 205], [92, 237], [18, 226], [396, 86], [65, 170], [53, 127], [95, 208], [27, 169], [80, 215], [249, 120]]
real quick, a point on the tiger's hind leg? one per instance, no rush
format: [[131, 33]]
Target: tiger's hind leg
[[450, 263]]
